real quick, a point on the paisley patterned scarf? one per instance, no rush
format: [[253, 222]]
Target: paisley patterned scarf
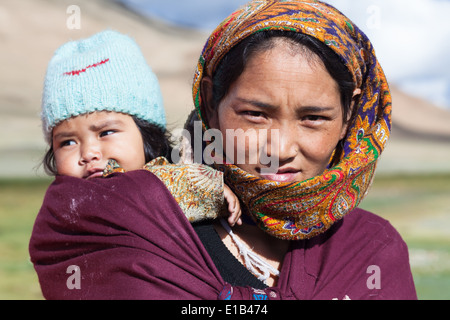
[[304, 209]]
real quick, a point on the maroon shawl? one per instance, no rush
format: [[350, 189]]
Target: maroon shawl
[[127, 244], [130, 240]]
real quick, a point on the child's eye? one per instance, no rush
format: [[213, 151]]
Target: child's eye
[[107, 133], [67, 143]]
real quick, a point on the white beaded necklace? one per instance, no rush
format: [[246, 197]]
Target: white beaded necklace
[[252, 261]]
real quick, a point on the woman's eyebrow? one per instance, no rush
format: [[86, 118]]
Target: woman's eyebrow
[[302, 109], [256, 103], [314, 109]]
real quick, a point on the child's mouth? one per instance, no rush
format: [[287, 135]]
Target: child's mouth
[[94, 173]]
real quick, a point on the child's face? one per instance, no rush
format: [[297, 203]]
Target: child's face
[[83, 145]]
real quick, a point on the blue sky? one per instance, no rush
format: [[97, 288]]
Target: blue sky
[[411, 37]]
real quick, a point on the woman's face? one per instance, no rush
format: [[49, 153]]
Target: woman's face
[[295, 96]]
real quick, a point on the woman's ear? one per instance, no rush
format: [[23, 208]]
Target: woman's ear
[[210, 112], [356, 92]]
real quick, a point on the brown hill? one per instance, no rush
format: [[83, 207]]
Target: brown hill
[[415, 118]]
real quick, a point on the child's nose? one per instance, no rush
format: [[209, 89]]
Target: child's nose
[[90, 153]]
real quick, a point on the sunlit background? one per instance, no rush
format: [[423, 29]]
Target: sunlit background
[[411, 38]]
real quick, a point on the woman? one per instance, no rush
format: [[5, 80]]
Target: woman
[[264, 68], [305, 71]]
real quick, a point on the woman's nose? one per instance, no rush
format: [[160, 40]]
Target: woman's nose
[[283, 144]]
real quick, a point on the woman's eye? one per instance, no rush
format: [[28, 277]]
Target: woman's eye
[[253, 113], [313, 118]]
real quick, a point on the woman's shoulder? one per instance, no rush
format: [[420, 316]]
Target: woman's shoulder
[[363, 223], [360, 234], [359, 228], [343, 259]]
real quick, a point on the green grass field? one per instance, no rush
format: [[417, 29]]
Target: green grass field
[[418, 206], [19, 203]]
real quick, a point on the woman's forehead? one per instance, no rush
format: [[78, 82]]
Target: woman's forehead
[[279, 68], [289, 48]]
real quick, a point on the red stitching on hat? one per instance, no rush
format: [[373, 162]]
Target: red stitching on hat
[[77, 72]]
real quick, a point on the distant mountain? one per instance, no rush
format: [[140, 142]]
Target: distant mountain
[[413, 55], [36, 28]]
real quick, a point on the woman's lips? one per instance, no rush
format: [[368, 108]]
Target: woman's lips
[[283, 176]]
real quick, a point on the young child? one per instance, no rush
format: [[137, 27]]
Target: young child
[[102, 112]]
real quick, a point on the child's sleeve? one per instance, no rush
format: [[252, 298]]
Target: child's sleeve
[[198, 189]]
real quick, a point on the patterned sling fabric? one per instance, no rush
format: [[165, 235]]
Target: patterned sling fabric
[[198, 189], [304, 209]]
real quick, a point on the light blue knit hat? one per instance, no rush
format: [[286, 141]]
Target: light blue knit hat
[[104, 72]]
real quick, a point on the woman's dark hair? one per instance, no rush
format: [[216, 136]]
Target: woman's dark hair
[[234, 62], [157, 143]]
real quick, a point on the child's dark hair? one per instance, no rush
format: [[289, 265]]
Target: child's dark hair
[[157, 140], [157, 143]]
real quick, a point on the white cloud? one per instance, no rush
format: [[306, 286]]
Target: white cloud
[[411, 39]]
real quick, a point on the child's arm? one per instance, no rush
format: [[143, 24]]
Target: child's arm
[[234, 207]]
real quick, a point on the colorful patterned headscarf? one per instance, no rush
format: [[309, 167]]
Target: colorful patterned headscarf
[[304, 209]]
